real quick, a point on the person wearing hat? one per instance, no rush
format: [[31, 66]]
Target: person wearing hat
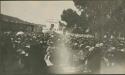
[[94, 59]]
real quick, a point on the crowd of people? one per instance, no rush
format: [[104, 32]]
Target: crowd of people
[[25, 50], [94, 53], [30, 51]]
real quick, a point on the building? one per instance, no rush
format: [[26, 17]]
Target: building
[[8, 23]]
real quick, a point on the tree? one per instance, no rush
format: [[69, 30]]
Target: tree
[[70, 17], [102, 16], [73, 20]]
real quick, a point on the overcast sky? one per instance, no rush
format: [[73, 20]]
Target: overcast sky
[[36, 11]]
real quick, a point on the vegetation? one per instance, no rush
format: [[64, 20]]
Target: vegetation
[[101, 17]]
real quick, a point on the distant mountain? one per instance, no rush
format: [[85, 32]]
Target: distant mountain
[[7, 18]]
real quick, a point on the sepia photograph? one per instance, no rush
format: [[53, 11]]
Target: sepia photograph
[[62, 37]]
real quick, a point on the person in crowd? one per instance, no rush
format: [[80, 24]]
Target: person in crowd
[[36, 55], [94, 59]]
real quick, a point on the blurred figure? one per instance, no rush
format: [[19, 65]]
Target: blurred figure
[[94, 60], [7, 51], [36, 55]]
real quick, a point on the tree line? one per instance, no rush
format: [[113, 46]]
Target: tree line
[[99, 16]]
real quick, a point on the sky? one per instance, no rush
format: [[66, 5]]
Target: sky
[[39, 12]]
